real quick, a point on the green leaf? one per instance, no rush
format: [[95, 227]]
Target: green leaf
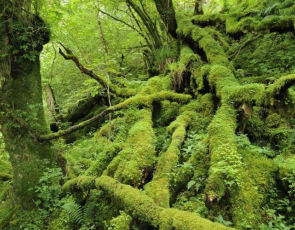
[[190, 184]]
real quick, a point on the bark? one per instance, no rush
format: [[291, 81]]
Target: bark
[[51, 102], [167, 13], [199, 7]]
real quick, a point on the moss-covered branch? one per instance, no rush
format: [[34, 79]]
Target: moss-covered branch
[[242, 24], [134, 101], [5, 177], [144, 208], [278, 88]]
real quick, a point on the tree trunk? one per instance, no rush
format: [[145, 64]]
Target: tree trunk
[[21, 100], [199, 7], [167, 13]]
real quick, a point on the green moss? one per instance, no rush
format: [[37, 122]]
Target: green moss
[[218, 37], [214, 52], [236, 23], [83, 183], [217, 18], [138, 154], [222, 80], [121, 222], [278, 88], [158, 189], [131, 200], [143, 208], [175, 219], [7, 211], [157, 84], [250, 93], [226, 165], [246, 205]]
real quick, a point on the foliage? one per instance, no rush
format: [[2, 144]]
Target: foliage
[[198, 133]]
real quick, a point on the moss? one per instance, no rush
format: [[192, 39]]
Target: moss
[[286, 167], [158, 189], [226, 165], [131, 200], [103, 160], [143, 208], [218, 37], [166, 112], [175, 219], [273, 120], [5, 176], [83, 183], [187, 55], [185, 27], [8, 211], [138, 154], [214, 52], [157, 84], [121, 222], [222, 80], [246, 205], [217, 18], [250, 93], [278, 88], [261, 170], [241, 23]]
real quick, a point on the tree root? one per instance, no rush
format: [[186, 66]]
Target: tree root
[[158, 189], [138, 154], [142, 207]]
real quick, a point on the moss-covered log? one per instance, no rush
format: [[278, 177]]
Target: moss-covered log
[[158, 189], [138, 154], [243, 23], [142, 207]]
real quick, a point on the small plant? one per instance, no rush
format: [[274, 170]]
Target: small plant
[[49, 189], [220, 220]]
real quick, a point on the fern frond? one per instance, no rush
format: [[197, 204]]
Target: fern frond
[[75, 212]]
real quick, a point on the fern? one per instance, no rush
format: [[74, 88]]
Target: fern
[[89, 210], [75, 212], [271, 9]]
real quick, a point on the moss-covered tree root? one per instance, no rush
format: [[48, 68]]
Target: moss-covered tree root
[[143, 208]]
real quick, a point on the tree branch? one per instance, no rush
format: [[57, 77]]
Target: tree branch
[[167, 13], [147, 22], [134, 101], [119, 20], [114, 89]]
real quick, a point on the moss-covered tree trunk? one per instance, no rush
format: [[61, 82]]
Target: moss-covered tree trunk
[[22, 117]]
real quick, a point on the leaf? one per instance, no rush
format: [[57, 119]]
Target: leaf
[[190, 184]]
